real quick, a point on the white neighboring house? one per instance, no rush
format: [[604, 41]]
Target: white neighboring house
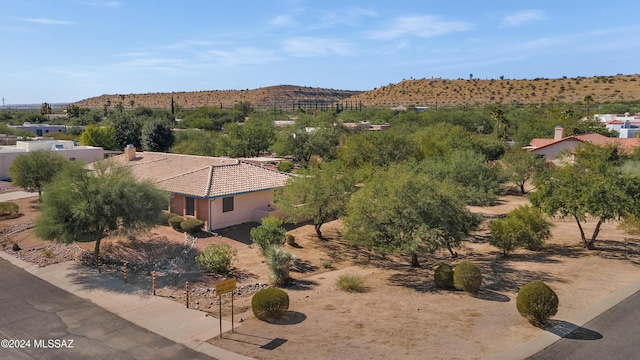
[[66, 148], [40, 129], [625, 124]]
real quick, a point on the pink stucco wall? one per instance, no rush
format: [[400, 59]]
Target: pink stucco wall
[[244, 209], [551, 151], [178, 205]]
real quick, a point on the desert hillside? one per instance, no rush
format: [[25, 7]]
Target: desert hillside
[[287, 96], [418, 92], [443, 92]]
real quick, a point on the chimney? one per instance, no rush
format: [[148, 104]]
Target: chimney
[[559, 133], [129, 153]]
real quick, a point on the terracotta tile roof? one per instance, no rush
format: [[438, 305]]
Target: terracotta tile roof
[[202, 176], [594, 138], [536, 143]]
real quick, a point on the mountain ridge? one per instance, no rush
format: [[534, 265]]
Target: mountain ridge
[[414, 92]]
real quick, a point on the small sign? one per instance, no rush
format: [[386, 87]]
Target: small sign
[[225, 286]]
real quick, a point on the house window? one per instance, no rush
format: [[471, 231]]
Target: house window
[[191, 206], [227, 204]]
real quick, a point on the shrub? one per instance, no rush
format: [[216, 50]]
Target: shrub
[[351, 283], [285, 166], [174, 222], [271, 221], [217, 258], [192, 226], [267, 235], [165, 216], [271, 303], [537, 302], [467, 277], [525, 226], [15, 247], [443, 276], [327, 264], [279, 262], [9, 210]]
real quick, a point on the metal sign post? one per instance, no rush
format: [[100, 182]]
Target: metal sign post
[[222, 288]]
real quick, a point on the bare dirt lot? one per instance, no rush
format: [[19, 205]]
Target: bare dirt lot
[[401, 315]]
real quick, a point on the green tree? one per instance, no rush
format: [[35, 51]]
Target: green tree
[[470, 171], [525, 226], [35, 169], [372, 149], [194, 142], [128, 131], [303, 145], [248, 139], [243, 107], [400, 211], [520, 167], [209, 118], [320, 193], [592, 185], [157, 135], [88, 206], [101, 136]]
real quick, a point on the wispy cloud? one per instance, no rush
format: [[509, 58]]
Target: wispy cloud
[[308, 47], [425, 26], [238, 56], [47, 21], [112, 4], [282, 20], [349, 16], [522, 17]]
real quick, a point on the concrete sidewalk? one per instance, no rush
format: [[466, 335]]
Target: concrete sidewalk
[[164, 317], [14, 195]]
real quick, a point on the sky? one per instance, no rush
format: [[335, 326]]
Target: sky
[[67, 50]]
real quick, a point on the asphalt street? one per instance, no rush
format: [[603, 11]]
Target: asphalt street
[[41, 321], [615, 334]]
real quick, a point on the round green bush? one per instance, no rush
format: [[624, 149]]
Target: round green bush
[[165, 216], [269, 304], [537, 302], [174, 222], [192, 226], [285, 166], [267, 235], [467, 277], [443, 276], [9, 210]]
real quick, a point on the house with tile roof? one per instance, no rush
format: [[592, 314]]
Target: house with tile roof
[[220, 191], [550, 148]]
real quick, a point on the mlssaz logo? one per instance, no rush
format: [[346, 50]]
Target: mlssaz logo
[[53, 344]]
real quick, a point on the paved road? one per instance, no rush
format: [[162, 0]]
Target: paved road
[[615, 334], [32, 309]]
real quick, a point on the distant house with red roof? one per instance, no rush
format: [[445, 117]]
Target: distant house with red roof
[[550, 148], [222, 192]]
